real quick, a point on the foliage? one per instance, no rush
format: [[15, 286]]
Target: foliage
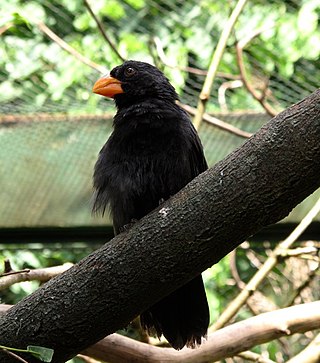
[[36, 71], [25, 257], [41, 353]]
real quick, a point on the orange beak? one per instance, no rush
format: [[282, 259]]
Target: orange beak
[[107, 86]]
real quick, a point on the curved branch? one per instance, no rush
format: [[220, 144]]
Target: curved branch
[[239, 51], [311, 354], [264, 270], [215, 61], [226, 342], [67, 47], [102, 30], [166, 61]]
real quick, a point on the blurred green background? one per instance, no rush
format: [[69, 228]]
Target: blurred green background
[[52, 127]]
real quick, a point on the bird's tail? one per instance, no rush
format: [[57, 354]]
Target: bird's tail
[[182, 317]]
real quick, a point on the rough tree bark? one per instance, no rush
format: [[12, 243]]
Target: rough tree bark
[[256, 185]]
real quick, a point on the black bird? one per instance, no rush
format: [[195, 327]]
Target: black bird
[[153, 152]]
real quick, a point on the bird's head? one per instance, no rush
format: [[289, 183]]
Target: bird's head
[[134, 81]]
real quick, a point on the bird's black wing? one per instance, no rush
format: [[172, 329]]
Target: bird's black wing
[[198, 163], [183, 316]]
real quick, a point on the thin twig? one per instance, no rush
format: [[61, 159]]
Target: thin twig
[[65, 46], [216, 122], [7, 266], [298, 251], [265, 269], [254, 357], [41, 274], [15, 272], [87, 359], [102, 31], [56, 117], [311, 354], [256, 95], [200, 72], [216, 58], [234, 270], [257, 303], [222, 92], [312, 274], [166, 61]]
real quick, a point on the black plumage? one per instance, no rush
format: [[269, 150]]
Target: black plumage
[[153, 152]]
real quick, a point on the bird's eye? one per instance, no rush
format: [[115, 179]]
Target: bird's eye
[[129, 71]]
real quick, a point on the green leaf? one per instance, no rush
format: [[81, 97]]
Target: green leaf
[[307, 19], [42, 353]]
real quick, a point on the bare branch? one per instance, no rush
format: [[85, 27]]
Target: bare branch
[[246, 40], [222, 92], [216, 122], [226, 342], [87, 359], [15, 272], [254, 357], [311, 354], [239, 51], [102, 30], [264, 270], [42, 275], [65, 46], [200, 72], [166, 62], [216, 58], [258, 303], [312, 274], [298, 251], [56, 117]]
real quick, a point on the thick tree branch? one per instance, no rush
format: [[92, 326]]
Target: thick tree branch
[[256, 185], [226, 342]]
